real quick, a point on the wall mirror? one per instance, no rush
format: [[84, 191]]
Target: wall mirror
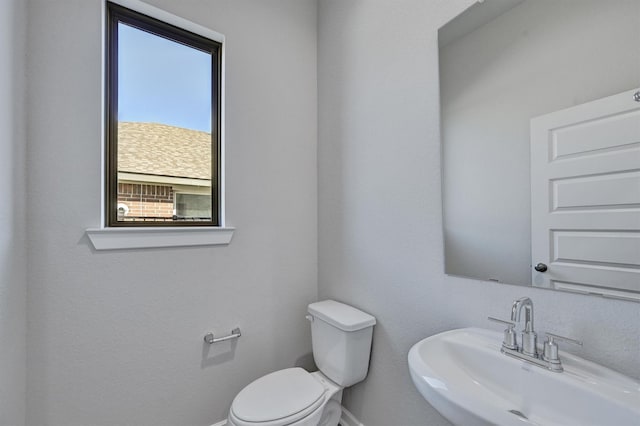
[[541, 144]]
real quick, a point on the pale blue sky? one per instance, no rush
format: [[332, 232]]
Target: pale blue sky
[[162, 81]]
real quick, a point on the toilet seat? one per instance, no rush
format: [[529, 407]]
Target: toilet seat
[[277, 399]]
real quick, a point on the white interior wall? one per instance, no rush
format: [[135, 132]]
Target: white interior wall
[[117, 337], [539, 57], [13, 282], [380, 220]]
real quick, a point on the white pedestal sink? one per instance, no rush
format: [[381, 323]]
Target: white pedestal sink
[[463, 374]]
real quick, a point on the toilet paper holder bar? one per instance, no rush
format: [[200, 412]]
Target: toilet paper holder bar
[[211, 339]]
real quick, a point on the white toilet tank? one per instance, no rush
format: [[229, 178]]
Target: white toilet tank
[[341, 338]]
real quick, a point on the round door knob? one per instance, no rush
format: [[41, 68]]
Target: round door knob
[[540, 267]]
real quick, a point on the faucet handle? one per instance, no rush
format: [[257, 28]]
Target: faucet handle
[[509, 340], [507, 323], [551, 337], [551, 350]]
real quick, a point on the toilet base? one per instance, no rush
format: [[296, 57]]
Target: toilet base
[[332, 411], [331, 414]]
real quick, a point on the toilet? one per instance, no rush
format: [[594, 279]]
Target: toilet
[[341, 340]]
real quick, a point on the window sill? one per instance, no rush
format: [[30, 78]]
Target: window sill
[[132, 238]]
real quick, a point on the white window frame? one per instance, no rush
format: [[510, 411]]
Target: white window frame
[[106, 238]]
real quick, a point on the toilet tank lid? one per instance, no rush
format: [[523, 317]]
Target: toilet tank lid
[[344, 317]]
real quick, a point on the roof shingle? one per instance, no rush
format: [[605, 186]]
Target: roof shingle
[[159, 149]]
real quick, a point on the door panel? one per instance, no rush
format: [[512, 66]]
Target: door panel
[[604, 248], [594, 135], [585, 197], [610, 190]]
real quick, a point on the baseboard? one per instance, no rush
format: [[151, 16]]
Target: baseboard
[[348, 419], [220, 423]]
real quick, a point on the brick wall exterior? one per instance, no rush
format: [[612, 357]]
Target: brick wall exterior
[[146, 200]]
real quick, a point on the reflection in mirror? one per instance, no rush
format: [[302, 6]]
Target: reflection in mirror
[[502, 64]]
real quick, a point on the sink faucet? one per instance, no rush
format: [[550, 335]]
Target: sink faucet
[[529, 337], [527, 351]]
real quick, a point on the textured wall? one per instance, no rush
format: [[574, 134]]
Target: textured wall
[[116, 337], [380, 225], [13, 282]]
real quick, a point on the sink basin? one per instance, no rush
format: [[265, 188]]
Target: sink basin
[[463, 374]]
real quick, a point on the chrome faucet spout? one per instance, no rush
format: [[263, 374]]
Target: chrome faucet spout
[[516, 309], [529, 338]]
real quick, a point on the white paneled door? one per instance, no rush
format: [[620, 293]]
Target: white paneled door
[[585, 197]]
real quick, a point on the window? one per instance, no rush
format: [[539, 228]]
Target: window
[[163, 123], [192, 205]]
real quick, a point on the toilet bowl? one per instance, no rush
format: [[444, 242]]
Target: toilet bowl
[[341, 340], [286, 398]]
